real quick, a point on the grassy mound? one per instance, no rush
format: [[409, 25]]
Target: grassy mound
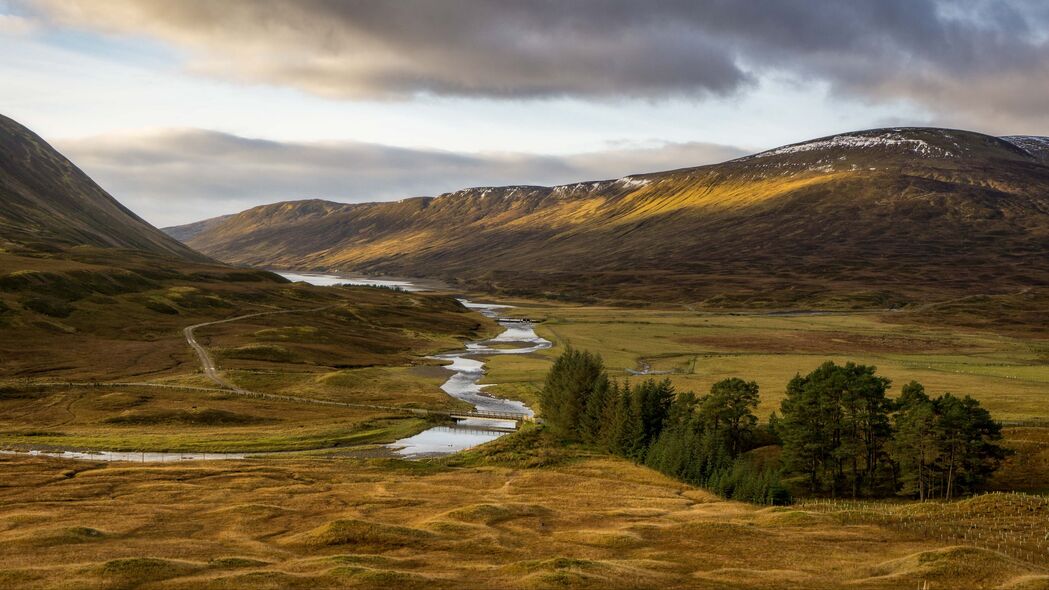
[[259, 352], [205, 417], [365, 536], [134, 571], [492, 514], [979, 566], [568, 572], [609, 539], [756, 578]]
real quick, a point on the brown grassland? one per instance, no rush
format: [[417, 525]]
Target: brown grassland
[[515, 514], [522, 512]]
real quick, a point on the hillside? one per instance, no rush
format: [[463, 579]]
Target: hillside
[[49, 203], [879, 217]]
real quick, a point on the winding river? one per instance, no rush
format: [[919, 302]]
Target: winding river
[[467, 370], [518, 337]]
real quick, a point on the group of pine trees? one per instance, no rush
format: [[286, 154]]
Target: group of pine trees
[[840, 433], [699, 440], [841, 430]]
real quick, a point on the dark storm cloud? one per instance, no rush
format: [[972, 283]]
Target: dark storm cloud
[[958, 58], [180, 176]]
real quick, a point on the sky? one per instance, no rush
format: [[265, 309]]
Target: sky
[[191, 109]]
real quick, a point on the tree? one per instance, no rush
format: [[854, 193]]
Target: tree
[[674, 451], [807, 425], [629, 438], [592, 420], [569, 384], [969, 454], [867, 427], [916, 444], [835, 427], [653, 400], [729, 412]]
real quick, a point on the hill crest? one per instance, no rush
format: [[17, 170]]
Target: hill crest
[[50, 203], [882, 216]]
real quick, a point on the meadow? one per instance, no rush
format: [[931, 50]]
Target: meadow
[[1007, 372], [521, 512]]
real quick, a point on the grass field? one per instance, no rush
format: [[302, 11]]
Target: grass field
[[522, 512], [1009, 374], [518, 514], [149, 419], [91, 315]]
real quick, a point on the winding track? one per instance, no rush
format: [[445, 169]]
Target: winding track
[[208, 364], [224, 385]]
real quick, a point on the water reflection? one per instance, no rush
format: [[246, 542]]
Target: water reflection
[[463, 384], [137, 457], [324, 280]]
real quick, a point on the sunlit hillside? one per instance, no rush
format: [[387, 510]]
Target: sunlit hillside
[[878, 218]]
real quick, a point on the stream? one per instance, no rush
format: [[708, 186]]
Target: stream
[[466, 369]]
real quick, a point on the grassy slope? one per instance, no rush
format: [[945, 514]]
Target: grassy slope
[[92, 314], [47, 202], [103, 314], [835, 226], [485, 520]]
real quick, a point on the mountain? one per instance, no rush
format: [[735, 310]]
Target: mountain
[[881, 218], [50, 203]]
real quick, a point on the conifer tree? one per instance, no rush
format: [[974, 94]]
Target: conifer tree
[[569, 384], [916, 444]]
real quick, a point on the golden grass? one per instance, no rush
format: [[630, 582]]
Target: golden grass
[[151, 419], [584, 522]]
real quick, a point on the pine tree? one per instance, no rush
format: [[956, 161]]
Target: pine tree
[[729, 412], [969, 454], [569, 383], [835, 427], [654, 400], [916, 444]]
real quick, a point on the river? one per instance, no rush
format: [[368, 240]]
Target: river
[[467, 370]]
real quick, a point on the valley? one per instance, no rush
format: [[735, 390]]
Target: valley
[[273, 431]]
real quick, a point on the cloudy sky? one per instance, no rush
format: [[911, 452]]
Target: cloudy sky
[[193, 108]]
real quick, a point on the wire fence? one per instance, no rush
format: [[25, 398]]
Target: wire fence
[[1013, 523]]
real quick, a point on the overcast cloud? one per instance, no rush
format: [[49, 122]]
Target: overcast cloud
[[179, 176], [981, 62]]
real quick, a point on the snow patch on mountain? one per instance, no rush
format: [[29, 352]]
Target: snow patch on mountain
[[1036, 145], [888, 139]]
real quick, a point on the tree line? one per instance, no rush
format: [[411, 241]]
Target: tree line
[[841, 435], [699, 440]]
